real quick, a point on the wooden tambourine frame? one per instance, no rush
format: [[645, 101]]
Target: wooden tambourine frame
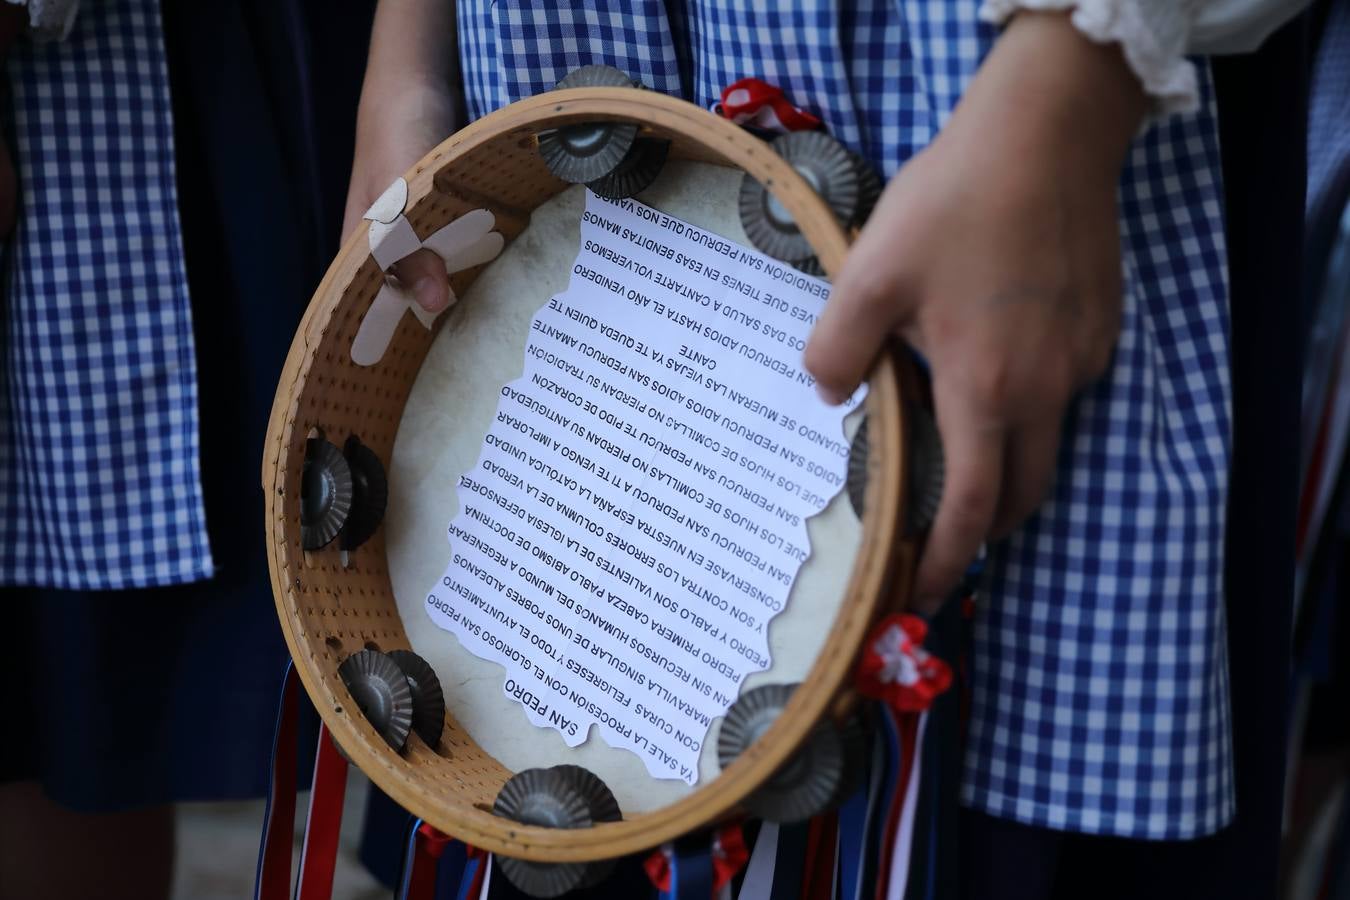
[[329, 611]]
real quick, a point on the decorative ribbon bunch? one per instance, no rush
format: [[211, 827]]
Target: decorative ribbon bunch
[[696, 871]]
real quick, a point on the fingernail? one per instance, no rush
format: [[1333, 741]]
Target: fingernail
[[428, 294], [830, 395]]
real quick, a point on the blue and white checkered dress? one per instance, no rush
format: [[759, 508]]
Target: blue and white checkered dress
[[99, 478], [1100, 670]]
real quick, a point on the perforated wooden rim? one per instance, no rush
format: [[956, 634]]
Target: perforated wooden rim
[[328, 611]]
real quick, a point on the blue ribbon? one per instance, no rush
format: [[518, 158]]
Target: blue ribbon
[[691, 871]]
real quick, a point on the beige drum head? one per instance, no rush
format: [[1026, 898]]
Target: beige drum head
[[423, 408]]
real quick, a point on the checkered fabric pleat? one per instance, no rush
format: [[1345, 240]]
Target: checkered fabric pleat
[[99, 479], [1100, 674]]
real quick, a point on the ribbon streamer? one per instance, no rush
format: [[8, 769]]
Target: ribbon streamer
[[318, 857], [272, 880], [686, 871]]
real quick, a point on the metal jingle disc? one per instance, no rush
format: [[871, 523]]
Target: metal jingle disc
[[636, 173], [603, 807], [428, 700], [599, 798], [809, 780], [855, 477], [370, 494], [927, 470], [748, 718], [810, 266], [588, 151], [548, 798], [831, 171], [869, 189], [381, 692], [325, 494], [596, 75]]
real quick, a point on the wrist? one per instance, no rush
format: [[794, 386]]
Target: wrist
[[1057, 95]]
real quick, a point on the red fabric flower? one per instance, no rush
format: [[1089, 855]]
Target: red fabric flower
[[897, 670]]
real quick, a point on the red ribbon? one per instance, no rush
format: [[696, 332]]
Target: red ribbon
[[758, 104], [818, 872], [657, 867], [729, 856], [896, 669], [318, 858]]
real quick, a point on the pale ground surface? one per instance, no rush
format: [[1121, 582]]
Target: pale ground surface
[[218, 848]]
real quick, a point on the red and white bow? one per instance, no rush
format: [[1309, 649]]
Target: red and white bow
[[897, 670], [758, 104]]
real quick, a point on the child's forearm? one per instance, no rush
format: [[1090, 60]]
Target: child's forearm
[[412, 43], [410, 102]]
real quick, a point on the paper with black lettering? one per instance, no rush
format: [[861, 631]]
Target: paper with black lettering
[[638, 512]]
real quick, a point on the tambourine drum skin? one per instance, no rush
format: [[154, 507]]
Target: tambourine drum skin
[[331, 607]]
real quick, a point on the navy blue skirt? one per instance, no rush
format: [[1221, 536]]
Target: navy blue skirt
[[126, 699]]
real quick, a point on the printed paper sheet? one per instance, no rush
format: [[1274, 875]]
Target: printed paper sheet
[[637, 515]]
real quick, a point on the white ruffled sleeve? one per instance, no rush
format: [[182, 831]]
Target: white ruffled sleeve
[[1156, 35], [49, 20], [1152, 35]]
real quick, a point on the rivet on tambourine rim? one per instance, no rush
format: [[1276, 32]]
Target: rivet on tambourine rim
[[828, 168], [551, 799], [381, 692], [636, 172], [428, 700], [370, 494], [325, 494]]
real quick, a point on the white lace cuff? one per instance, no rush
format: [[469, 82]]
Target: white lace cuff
[[49, 20], [1152, 35]]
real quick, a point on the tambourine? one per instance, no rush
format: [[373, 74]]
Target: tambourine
[[354, 484]]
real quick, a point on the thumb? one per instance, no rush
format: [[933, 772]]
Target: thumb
[[423, 273]]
